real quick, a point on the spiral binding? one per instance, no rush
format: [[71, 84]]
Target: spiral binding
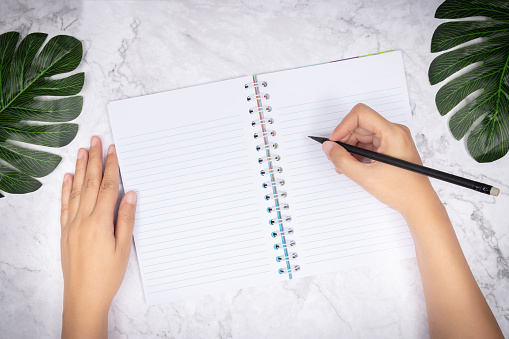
[[283, 231]]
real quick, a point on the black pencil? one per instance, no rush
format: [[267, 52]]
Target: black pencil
[[453, 179]]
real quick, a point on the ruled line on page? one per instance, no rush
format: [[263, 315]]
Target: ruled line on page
[[169, 220], [191, 236], [242, 262], [188, 245], [208, 275], [213, 281], [361, 253], [229, 194], [377, 243], [185, 146], [213, 254], [348, 107], [167, 129], [343, 236], [336, 227], [167, 227], [342, 97], [203, 248]]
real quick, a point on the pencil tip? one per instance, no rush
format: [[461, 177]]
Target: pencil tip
[[318, 139]]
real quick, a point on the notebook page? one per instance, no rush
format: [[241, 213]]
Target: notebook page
[[337, 224], [198, 226]]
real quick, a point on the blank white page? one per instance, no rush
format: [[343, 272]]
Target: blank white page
[[337, 224], [198, 223]]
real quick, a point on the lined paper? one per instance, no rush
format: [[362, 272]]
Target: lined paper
[[198, 228], [337, 224]]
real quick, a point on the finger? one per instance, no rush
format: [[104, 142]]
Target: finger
[[92, 178], [125, 222], [369, 146], [361, 116], [77, 183], [344, 162], [355, 138], [108, 191], [66, 197]]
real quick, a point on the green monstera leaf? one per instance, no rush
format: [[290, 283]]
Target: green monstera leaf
[[26, 106], [486, 116]]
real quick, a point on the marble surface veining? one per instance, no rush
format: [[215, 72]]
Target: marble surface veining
[[133, 48]]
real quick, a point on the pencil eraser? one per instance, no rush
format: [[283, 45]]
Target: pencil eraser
[[494, 191]]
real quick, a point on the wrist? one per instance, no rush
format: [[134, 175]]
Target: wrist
[[427, 208], [84, 318]]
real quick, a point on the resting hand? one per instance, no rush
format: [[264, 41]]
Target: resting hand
[[94, 253]]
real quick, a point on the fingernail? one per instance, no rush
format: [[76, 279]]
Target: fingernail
[[111, 149], [326, 147], [93, 141], [81, 153], [67, 176], [131, 198]]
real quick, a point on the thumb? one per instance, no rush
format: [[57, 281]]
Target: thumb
[[344, 161], [125, 221]]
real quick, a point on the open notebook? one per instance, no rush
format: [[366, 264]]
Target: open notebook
[[233, 193]]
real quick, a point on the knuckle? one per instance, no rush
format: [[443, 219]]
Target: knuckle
[[127, 218], [359, 106], [108, 185], [93, 155], [75, 194], [405, 129], [90, 183]]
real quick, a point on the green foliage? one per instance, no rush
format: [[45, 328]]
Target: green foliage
[[25, 85], [489, 110]]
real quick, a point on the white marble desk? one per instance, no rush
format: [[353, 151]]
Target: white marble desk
[[133, 48]]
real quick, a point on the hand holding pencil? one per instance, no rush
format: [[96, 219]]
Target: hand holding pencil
[[363, 127]]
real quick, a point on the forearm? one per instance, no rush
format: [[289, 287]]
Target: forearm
[[454, 302]]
